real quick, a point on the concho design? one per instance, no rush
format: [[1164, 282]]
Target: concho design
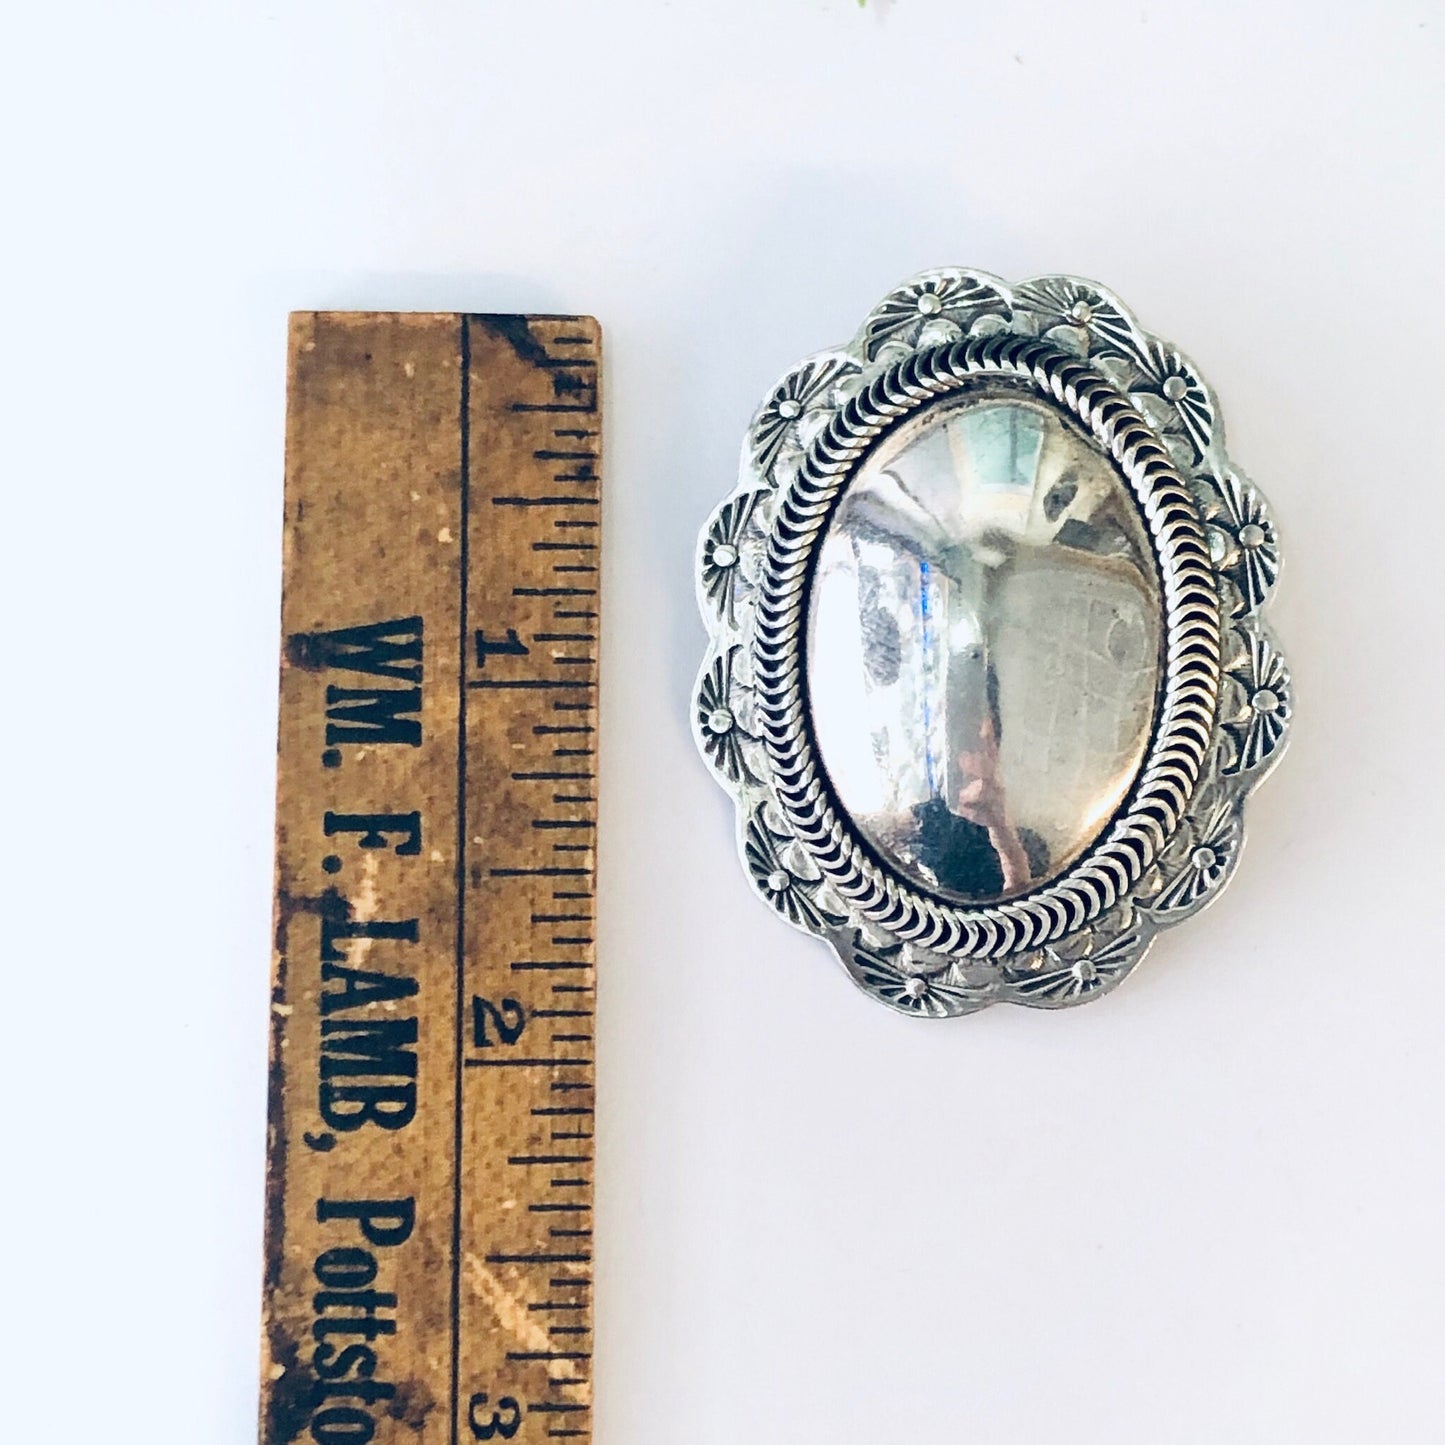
[[987, 676]]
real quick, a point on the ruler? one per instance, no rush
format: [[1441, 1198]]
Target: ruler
[[430, 1153]]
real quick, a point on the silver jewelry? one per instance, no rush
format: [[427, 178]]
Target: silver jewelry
[[987, 676]]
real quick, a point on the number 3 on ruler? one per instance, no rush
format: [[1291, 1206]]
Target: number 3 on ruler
[[505, 1422]]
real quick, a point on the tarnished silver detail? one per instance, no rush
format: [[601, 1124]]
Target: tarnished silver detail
[[987, 678]]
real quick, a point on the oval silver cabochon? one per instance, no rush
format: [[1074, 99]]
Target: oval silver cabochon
[[983, 645]]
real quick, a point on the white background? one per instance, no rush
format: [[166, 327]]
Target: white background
[[1207, 1209]]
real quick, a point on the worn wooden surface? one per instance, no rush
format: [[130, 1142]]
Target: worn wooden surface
[[429, 1192]]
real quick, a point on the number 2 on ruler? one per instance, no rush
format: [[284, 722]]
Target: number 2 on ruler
[[509, 1019]]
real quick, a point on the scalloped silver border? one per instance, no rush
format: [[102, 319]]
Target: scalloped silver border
[[1226, 697]]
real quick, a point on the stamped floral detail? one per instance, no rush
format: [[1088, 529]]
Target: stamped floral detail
[[1076, 315], [718, 725], [1075, 969], [941, 296], [1258, 727], [1253, 541], [783, 879], [777, 425], [927, 995], [1165, 374], [722, 554], [1198, 860]]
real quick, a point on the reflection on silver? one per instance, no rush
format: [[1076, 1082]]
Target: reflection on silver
[[984, 645]]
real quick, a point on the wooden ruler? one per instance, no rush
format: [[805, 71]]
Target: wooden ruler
[[429, 1205]]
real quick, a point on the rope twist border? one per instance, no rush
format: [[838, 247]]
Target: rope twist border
[[1190, 686]]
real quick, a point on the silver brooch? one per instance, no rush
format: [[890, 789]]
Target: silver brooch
[[987, 675]]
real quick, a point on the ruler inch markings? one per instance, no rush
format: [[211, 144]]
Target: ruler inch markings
[[515, 589], [428, 1073]]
